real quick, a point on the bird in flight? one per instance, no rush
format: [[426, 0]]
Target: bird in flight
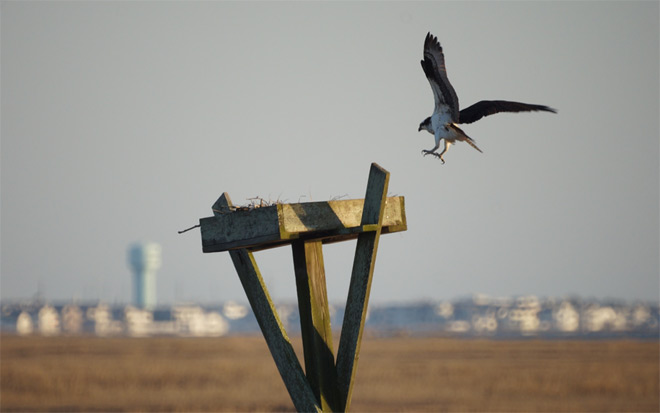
[[443, 122]]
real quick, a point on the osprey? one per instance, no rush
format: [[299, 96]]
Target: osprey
[[443, 122]]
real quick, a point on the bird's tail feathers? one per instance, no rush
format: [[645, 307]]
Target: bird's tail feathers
[[462, 136], [470, 141]]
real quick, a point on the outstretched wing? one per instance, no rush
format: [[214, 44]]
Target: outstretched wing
[[435, 71], [490, 107]]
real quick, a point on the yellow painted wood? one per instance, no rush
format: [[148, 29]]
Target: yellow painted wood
[[331, 215], [277, 225], [315, 322]]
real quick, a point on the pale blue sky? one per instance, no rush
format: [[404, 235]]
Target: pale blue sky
[[124, 121]]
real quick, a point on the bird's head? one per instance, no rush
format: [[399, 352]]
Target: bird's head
[[426, 125]]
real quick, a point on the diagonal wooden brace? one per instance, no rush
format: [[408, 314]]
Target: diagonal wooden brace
[[278, 342], [360, 286]]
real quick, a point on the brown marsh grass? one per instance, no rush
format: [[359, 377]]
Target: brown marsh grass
[[395, 374]]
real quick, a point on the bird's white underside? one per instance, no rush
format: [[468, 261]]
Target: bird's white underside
[[438, 121]]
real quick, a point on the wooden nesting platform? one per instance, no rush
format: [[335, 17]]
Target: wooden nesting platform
[[326, 384], [271, 226]]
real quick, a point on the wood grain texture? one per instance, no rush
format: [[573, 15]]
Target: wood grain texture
[[277, 225]]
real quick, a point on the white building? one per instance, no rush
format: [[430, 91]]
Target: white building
[[566, 317], [104, 324], [138, 322], [72, 319], [193, 321], [49, 321], [597, 318], [524, 317], [24, 324], [234, 311]]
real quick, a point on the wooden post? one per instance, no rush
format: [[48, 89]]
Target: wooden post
[[278, 342], [315, 322], [324, 385], [360, 286]]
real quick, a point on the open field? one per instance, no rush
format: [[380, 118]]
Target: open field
[[395, 374]]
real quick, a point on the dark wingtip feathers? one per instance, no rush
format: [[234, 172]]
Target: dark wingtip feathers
[[431, 42], [535, 108], [490, 107]]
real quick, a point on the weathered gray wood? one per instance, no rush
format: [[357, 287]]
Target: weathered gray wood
[[360, 285], [222, 205], [278, 342], [279, 224], [307, 226], [374, 200], [315, 322]]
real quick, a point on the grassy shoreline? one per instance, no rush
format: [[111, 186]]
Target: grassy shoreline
[[394, 374]]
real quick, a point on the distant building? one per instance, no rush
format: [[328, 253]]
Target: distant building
[[524, 316], [234, 311], [103, 320], [24, 324], [49, 321], [482, 317], [605, 318], [566, 317], [145, 259], [72, 319], [194, 321], [138, 322]]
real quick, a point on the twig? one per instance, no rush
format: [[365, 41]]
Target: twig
[[186, 230], [337, 198]]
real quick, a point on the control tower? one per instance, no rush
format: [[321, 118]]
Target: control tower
[[145, 260]]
